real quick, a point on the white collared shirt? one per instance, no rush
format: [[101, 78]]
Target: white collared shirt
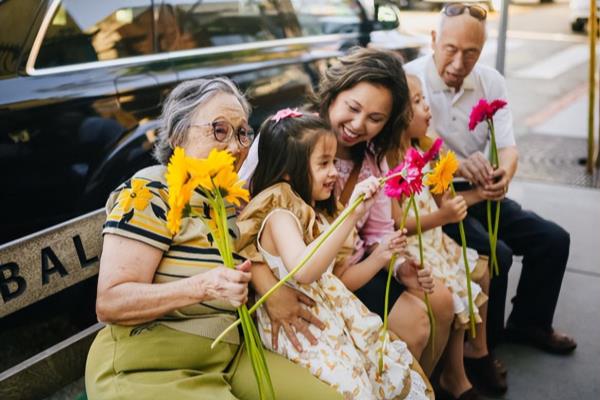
[[450, 110]]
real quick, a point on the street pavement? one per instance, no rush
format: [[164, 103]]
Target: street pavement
[[534, 375]]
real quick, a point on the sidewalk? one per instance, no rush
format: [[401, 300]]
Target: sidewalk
[[534, 375], [551, 182]]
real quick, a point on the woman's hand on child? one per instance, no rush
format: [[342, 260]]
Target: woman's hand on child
[[414, 277], [286, 309], [391, 244], [454, 209], [369, 188]]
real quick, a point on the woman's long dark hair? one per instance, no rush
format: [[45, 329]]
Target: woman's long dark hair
[[381, 68], [284, 150]]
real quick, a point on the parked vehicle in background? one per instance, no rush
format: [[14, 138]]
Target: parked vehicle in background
[[81, 87], [580, 14]]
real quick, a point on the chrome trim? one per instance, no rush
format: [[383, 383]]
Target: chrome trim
[[37, 43], [168, 55]]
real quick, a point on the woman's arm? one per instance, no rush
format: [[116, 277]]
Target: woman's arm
[[127, 296], [282, 237], [357, 275]]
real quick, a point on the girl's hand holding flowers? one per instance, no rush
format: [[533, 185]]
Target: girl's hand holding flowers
[[394, 243], [414, 277], [453, 209], [367, 188]]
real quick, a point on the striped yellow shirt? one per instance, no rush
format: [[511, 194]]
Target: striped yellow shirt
[[137, 209]]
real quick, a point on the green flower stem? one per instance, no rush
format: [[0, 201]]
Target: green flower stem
[[493, 228], [421, 263], [496, 225], [386, 303], [467, 270], [491, 238], [251, 337]]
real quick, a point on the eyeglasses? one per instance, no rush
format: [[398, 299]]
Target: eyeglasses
[[454, 9], [223, 131]]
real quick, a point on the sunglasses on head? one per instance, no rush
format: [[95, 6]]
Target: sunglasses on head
[[454, 9]]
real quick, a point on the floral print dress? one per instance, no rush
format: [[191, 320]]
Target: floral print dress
[[347, 351]]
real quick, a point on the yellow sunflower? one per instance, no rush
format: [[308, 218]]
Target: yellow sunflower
[[180, 188], [216, 161], [230, 186], [137, 197], [204, 170], [442, 174]]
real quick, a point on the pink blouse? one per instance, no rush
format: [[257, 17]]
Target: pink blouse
[[378, 221]]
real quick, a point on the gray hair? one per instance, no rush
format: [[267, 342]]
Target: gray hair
[[180, 107]]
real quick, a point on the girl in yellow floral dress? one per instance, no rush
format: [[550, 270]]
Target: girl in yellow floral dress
[[443, 255], [293, 187]]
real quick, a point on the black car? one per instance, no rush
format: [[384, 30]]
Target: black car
[[82, 82]]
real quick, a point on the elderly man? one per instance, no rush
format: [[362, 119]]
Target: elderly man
[[453, 82]]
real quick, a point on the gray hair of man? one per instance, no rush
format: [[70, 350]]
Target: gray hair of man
[[180, 107]]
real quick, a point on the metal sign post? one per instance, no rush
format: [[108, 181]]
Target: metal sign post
[[501, 41], [592, 29]]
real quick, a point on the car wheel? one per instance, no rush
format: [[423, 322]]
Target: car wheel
[[578, 25]]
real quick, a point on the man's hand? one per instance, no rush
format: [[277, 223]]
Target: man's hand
[[414, 277], [496, 190], [476, 169], [286, 308]]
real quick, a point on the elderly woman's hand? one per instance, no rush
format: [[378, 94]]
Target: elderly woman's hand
[[226, 284]]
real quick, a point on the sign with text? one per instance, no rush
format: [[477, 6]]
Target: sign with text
[[39, 265]]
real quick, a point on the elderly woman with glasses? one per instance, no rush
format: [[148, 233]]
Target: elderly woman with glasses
[[165, 297]]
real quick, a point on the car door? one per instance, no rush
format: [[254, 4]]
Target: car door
[[91, 76], [256, 43]]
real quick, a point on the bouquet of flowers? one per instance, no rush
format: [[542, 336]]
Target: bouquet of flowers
[[215, 179], [484, 111], [405, 181]]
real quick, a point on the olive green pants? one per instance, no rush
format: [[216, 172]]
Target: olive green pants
[[162, 363]]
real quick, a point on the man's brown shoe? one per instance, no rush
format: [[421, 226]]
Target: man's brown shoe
[[547, 340]]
